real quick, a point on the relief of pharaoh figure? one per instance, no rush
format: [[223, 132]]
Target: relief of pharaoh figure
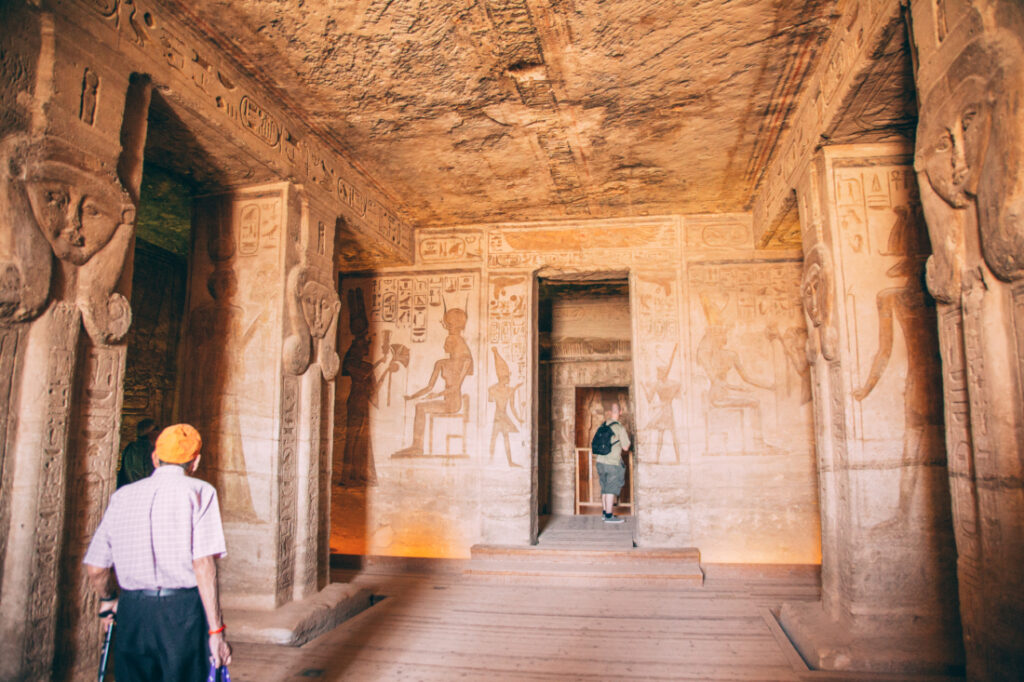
[[909, 305], [212, 401], [61, 203]]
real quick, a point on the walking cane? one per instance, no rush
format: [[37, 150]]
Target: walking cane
[[106, 645], [220, 674]]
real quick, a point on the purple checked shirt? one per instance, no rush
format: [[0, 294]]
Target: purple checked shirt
[[155, 528]]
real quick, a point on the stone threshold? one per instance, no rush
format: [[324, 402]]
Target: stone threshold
[[639, 566], [298, 622]]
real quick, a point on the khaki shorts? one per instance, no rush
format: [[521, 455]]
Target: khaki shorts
[[612, 476]]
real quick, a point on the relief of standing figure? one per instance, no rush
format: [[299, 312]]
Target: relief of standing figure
[[358, 467], [914, 310], [502, 395], [660, 395]]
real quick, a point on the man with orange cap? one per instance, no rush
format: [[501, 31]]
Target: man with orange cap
[[163, 535]]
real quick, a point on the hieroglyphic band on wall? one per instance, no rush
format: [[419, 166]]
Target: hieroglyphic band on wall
[[444, 247], [40, 620], [612, 246], [324, 454], [714, 234], [91, 464]]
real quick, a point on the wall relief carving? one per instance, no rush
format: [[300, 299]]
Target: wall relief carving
[[60, 205]]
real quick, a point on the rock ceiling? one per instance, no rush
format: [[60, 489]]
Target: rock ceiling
[[486, 110]]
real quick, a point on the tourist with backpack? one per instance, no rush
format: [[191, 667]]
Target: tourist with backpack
[[611, 444]]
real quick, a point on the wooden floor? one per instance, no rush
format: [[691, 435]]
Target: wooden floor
[[436, 622]]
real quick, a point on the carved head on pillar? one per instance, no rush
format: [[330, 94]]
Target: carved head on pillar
[[64, 203], [313, 309], [817, 292], [969, 148]]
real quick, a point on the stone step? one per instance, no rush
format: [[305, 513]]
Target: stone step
[[640, 566]]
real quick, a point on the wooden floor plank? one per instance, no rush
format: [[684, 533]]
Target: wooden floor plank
[[447, 626]]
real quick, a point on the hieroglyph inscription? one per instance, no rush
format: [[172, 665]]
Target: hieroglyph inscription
[[460, 248], [40, 618], [94, 446], [287, 488], [849, 48], [615, 246], [716, 233], [404, 301], [141, 23]]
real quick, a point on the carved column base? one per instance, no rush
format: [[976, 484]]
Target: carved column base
[[903, 643]]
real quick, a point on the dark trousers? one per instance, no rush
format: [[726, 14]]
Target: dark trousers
[[161, 639]]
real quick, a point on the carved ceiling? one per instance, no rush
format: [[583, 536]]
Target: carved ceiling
[[484, 110]]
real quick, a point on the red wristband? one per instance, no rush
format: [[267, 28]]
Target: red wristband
[[218, 630]]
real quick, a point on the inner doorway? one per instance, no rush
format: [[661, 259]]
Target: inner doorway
[[592, 404]]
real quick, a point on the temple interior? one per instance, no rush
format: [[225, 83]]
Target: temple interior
[[397, 259]]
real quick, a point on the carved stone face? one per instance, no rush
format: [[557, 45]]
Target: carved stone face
[[317, 308], [953, 135], [76, 210]]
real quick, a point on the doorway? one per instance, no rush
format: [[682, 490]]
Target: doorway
[[592, 404], [584, 349]]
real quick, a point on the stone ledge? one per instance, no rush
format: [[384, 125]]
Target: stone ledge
[[297, 622], [894, 645]]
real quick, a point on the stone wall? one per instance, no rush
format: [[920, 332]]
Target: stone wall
[[720, 386]]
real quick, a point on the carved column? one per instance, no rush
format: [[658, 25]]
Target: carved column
[[68, 188], [262, 297], [970, 163], [887, 547]]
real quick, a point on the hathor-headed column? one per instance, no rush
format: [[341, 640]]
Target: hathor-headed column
[[262, 319], [886, 535], [970, 164]]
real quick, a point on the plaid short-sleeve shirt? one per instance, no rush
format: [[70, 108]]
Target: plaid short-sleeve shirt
[[153, 529]]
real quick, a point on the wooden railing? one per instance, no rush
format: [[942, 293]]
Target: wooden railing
[[588, 485]]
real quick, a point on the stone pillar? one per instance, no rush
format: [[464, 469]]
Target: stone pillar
[[970, 163], [69, 174], [887, 545], [259, 342]]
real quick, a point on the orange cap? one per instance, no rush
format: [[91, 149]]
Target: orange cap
[[178, 444]]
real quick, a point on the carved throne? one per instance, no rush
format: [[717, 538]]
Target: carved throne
[[729, 430], [459, 431]]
